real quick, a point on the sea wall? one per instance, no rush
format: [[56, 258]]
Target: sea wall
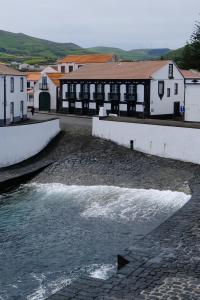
[[18, 143], [180, 143]]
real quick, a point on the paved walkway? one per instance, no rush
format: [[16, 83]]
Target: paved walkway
[[163, 265]]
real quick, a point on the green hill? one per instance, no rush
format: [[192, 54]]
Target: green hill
[[23, 48], [138, 54]]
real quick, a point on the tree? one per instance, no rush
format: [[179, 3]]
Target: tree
[[186, 59], [194, 48]]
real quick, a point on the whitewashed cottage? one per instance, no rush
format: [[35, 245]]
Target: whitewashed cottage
[[13, 95], [46, 90]]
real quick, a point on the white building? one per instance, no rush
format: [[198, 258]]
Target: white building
[[144, 88], [192, 95], [32, 80], [72, 63], [46, 90], [13, 95]]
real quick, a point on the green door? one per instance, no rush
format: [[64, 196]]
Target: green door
[[44, 101]]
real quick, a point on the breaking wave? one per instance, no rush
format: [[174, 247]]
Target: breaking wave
[[51, 234]]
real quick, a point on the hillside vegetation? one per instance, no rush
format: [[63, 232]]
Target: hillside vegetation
[[23, 48], [137, 54]]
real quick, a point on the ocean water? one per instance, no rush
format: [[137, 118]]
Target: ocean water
[[51, 234]]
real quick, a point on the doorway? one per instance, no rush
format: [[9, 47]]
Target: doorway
[[176, 109]]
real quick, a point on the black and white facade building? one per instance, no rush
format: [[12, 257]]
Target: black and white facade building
[[147, 88]]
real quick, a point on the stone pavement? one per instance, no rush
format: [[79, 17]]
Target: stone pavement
[[165, 264]]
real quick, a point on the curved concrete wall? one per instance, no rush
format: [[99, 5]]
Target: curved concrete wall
[[18, 143]]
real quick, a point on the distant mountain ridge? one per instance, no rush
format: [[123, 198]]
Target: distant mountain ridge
[[135, 54], [20, 47]]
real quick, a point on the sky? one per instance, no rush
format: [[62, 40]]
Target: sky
[[128, 24]]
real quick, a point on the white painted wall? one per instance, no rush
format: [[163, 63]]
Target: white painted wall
[[22, 142], [17, 96], [52, 90], [165, 105], [171, 142], [192, 102], [67, 65]]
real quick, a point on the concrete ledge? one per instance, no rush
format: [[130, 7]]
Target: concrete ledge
[[14, 181]]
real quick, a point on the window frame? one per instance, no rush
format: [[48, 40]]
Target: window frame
[[161, 92], [83, 88], [12, 84], [21, 84], [71, 69], [176, 88], [101, 90], [171, 71], [62, 69], [115, 90], [168, 92], [133, 87]]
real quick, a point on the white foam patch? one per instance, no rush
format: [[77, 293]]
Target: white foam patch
[[118, 203], [102, 271], [49, 288]]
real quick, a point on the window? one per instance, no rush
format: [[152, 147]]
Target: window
[[168, 92], [22, 109], [44, 80], [132, 89], [62, 69], [72, 88], [21, 84], [85, 88], [171, 71], [12, 85], [28, 85], [114, 88], [99, 88], [161, 89], [71, 69], [176, 89]]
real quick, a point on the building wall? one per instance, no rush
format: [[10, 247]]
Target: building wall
[[164, 141], [192, 101], [52, 90], [17, 96], [107, 89], [22, 142], [67, 65], [165, 106]]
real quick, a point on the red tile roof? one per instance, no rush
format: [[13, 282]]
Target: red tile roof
[[33, 76], [122, 70], [5, 70], [88, 58], [55, 78], [190, 74]]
